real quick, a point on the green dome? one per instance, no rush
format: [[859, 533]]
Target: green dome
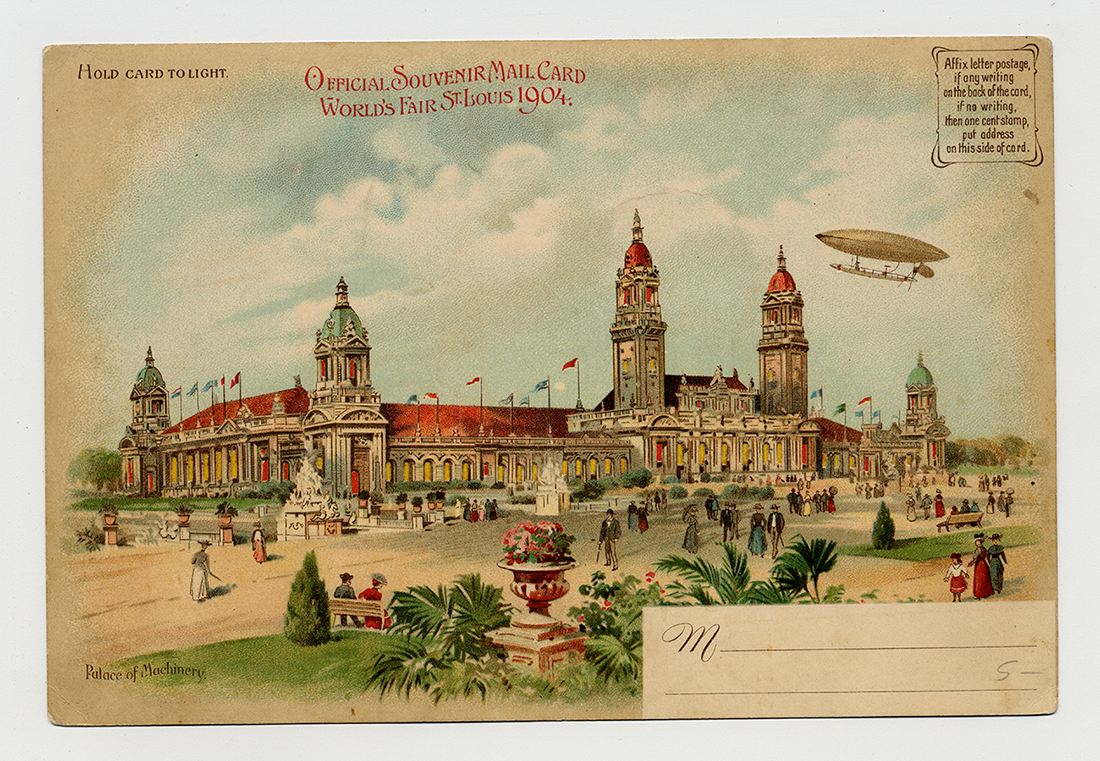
[[149, 377], [920, 375], [336, 326]]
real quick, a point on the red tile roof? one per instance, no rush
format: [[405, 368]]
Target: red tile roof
[[833, 431], [295, 401], [637, 256], [529, 421]]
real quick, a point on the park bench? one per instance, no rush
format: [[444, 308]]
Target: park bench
[[343, 606], [960, 519]]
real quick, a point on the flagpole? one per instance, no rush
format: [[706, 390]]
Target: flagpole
[[437, 415], [197, 409], [549, 430], [480, 406], [512, 414], [223, 398], [579, 405], [418, 414]]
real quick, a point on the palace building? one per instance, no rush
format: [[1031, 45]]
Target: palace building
[[673, 424]]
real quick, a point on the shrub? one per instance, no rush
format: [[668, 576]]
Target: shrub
[[720, 477], [497, 485], [607, 483], [705, 478], [640, 478], [672, 480], [703, 491], [402, 498], [677, 492], [573, 483], [377, 497], [733, 491], [307, 618], [882, 533], [523, 499], [590, 491], [417, 501], [474, 485]]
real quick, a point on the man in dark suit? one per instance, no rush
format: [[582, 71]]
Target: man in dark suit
[[727, 523], [345, 592], [774, 528], [610, 531]]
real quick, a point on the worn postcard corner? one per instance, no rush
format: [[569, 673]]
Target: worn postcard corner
[[549, 380]]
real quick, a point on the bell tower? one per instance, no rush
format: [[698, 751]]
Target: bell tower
[[638, 333], [783, 347]]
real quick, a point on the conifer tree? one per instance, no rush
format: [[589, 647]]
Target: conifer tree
[[882, 533], [307, 615]]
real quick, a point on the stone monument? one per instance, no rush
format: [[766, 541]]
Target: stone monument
[[551, 492]]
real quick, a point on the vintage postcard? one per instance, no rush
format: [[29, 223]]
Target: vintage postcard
[[550, 380]]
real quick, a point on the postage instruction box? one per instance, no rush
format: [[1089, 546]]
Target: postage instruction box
[[505, 380]]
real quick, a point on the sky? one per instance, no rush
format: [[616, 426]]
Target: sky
[[484, 242]]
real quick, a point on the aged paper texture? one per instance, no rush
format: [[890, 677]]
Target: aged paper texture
[[543, 380]]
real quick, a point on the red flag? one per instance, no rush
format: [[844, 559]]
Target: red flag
[[570, 363], [223, 381], [431, 396], [864, 401], [475, 380], [235, 381]]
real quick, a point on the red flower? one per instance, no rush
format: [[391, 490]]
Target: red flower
[[650, 576], [606, 604], [580, 618]]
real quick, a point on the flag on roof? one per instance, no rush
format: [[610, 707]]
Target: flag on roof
[[235, 381], [840, 408], [506, 400], [864, 401], [413, 398], [177, 392], [540, 386], [475, 380], [874, 415], [525, 401], [859, 413], [222, 382], [816, 394], [570, 363], [209, 385], [432, 396], [194, 389]]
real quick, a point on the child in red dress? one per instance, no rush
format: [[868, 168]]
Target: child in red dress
[[957, 575]]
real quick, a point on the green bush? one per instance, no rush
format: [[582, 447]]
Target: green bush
[[672, 480], [590, 491], [523, 499], [704, 477], [307, 618], [882, 533], [640, 478], [733, 491], [703, 491], [677, 492], [497, 485], [402, 498]]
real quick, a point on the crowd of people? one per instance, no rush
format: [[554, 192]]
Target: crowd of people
[[474, 510]]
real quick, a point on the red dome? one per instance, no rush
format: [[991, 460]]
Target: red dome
[[781, 281], [637, 256]]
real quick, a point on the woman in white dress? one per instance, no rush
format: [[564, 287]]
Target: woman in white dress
[[200, 572]]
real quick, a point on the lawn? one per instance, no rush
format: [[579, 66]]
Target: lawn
[[164, 504], [919, 549], [264, 667]]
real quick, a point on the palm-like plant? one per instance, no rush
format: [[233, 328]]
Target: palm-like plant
[[802, 564], [709, 584], [616, 659], [459, 616], [404, 663]]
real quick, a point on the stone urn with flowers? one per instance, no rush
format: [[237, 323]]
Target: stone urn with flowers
[[537, 556]]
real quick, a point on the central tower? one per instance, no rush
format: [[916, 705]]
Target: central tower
[[638, 333], [783, 347]]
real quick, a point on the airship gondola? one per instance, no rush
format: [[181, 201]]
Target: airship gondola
[[886, 247]]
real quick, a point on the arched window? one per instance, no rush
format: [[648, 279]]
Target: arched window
[[175, 470], [565, 467], [623, 465], [593, 467], [767, 451], [578, 468], [389, 471], [408, 471], [725, 453], [679, 454], [534, 471], [265, 471], [519, 472], [466, 471], [702, 453], [427, 471], [447, 475], [286, 471], [355, 482], [607, 466], [502, 472]]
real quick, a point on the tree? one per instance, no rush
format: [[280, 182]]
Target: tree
[[307, 615], [882, 533], [97, 466], [802, 564]]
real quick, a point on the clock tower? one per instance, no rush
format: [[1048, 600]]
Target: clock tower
[[638, 333], [783, 347]]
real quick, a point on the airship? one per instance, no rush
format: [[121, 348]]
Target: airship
[[885, 247]]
